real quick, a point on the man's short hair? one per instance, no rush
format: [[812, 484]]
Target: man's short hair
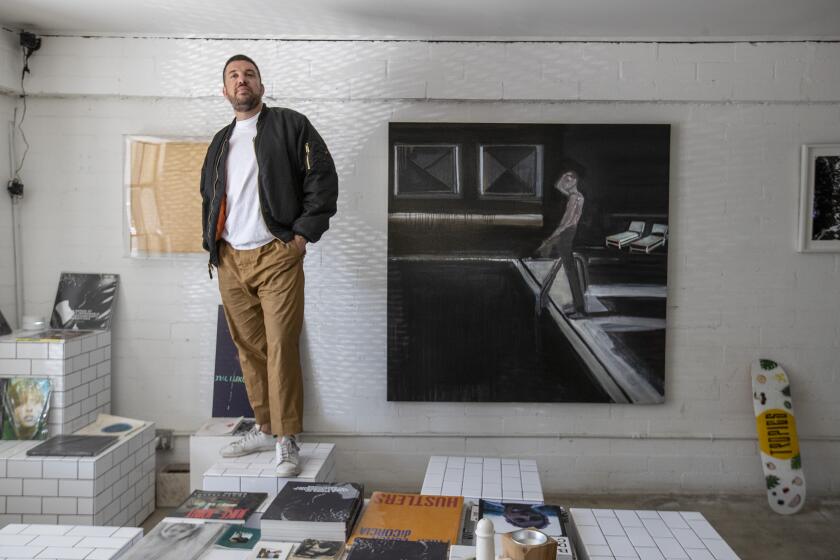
[[236, 57]]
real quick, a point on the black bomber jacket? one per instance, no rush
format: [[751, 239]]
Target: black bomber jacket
[[298, 184]]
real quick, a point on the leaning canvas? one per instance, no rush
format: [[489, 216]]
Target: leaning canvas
[[527, 262]]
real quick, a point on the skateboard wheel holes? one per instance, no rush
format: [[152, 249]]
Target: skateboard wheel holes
[[797, 481], [781, 502], [761, 379], [785, 490]]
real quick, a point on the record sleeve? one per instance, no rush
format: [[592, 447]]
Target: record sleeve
[[26, 402], [72, 446], [84, 301], [4, 325], [239, 538], [107, 425]]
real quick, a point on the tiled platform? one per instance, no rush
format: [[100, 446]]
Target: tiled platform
[[116, 487], [255, 473], [52, 542], [509, 480], [606, 534], [79, 371], [204, 453]]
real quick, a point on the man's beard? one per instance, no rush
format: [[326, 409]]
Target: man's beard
[[246, 103]]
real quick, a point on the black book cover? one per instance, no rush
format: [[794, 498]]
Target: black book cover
[[4, 326], [84, 301], [230, 507], [73, 446], [229, 396], [321, 502], [391, 549]]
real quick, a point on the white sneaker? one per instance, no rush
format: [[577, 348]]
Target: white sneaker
[[252, 442], [288, 457]]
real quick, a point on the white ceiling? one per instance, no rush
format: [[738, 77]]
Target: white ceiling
[[432, 19]]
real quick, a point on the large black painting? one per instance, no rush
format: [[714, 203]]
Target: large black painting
[[527, 262]]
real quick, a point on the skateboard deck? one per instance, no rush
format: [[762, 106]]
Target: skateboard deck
[[777, 439]]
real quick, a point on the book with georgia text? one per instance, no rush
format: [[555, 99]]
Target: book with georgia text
[[391, 549], [318, 510], [224, 507], [411, 517]]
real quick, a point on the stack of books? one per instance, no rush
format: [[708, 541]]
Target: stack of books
[[318, 510], [218, 507]]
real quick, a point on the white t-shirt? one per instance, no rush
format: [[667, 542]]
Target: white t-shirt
[[244, 224]]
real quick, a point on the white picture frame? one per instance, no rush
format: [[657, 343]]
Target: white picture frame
[[819, 215]]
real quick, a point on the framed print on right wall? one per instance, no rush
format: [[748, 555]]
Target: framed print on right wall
[[819, 199]]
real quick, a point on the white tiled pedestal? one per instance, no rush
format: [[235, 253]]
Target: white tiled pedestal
[[606, 534], [491, 478], [204, 453], [255, 473], [116, 487], [79, 371], [51, 542]]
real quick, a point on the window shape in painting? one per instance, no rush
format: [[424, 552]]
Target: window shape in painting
[[511, 171], [430, 170]]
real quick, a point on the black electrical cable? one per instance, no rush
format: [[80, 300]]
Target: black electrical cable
[[27, 52]]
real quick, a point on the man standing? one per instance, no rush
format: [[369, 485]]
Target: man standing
[[268, 188]]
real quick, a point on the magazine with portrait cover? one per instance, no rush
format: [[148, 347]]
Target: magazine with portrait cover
[[224, 507], [26, 402], [4, 326], [394, 549], [507, 517], [230, 400], [175, 541], [84, 301], [312, 549], [319, 510]]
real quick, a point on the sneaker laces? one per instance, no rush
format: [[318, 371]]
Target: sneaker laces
[[286, 449], [253, 434]]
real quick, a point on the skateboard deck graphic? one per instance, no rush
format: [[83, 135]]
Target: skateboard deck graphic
[[777, 439]]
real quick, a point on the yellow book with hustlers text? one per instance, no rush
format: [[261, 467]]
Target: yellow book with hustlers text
[[411, 517]]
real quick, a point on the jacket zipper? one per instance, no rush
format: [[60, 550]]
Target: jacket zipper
[[213, 202], [306, 147]]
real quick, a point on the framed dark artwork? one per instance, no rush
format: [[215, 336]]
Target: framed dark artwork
[[527, 262], [230, 398], [819, 199]]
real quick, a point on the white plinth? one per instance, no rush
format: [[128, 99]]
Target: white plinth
[[204, 453], [79, 371], [606, 534], [66, 541], [255, 473], [116, 487], [491, 478]]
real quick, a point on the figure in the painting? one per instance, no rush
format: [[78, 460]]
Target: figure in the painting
[[558, 245]]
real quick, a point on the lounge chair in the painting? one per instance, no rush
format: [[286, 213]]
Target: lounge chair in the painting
[[620, 240], [657, 238]]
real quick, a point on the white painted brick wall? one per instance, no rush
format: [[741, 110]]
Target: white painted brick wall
[[738, 290]]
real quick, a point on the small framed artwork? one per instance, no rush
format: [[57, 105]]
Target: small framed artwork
[[819, 199]]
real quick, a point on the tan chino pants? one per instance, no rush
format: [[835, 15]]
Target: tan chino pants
[[262, 294]]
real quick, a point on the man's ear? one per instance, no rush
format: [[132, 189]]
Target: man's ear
[[223, 91]]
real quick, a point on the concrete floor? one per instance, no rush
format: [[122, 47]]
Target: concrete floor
[[745, 522]]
